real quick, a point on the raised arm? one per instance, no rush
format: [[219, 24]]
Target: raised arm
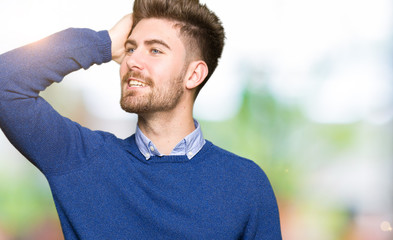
[[29, 122]]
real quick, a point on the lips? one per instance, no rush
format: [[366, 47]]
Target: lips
[[135, 79], [135, 83]]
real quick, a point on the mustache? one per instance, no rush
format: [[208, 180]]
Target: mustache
[[137, 75]]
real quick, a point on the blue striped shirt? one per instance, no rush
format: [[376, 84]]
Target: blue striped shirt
[[189, 146]]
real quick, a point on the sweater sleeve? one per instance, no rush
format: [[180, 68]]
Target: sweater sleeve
[[48, 140], [264, 221]]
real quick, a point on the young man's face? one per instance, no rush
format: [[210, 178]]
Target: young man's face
[[154, 68]]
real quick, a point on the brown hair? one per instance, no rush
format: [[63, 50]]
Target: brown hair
[[200, 28]]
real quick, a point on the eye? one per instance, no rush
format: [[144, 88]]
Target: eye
[[130, 50], [155, 51]]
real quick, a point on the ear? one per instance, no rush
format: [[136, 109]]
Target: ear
[[197, 73]]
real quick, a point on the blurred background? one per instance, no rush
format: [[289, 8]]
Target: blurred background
[[304, 88]]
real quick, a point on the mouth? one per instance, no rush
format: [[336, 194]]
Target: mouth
[[132, 83], [136, 80]]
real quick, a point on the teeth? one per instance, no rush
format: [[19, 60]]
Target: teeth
[[134, 83]]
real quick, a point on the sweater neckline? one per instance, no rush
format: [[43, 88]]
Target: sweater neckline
[[132, 148]]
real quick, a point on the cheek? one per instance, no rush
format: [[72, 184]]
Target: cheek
[[123, 69], [168, 69], [157, 71]]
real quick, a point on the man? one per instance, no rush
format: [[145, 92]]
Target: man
[[165, 181]]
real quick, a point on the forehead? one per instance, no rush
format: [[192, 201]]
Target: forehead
[[160, 29]]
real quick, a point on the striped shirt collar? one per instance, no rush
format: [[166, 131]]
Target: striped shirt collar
[[189, 146]]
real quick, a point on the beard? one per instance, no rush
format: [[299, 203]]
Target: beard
[[158, 99]]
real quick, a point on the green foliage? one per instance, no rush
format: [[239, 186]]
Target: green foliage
[[279, 138], [24, 201]]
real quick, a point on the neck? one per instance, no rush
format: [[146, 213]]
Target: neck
[[166, 129]]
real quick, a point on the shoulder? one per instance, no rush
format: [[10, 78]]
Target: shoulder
[[246, 178], [236, 165], [83, 148], [227, 157]]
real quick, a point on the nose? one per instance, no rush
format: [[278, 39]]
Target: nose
[[135, 60]]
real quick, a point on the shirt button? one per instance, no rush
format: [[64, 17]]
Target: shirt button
[[152, 148], [147, 156], [189, 154]]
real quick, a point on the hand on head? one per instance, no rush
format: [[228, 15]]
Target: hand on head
[[119, 34]]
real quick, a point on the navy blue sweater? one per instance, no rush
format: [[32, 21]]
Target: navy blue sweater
[[102, 186]]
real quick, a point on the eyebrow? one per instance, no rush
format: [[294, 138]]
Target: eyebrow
[[149, 42], [130, 41]]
